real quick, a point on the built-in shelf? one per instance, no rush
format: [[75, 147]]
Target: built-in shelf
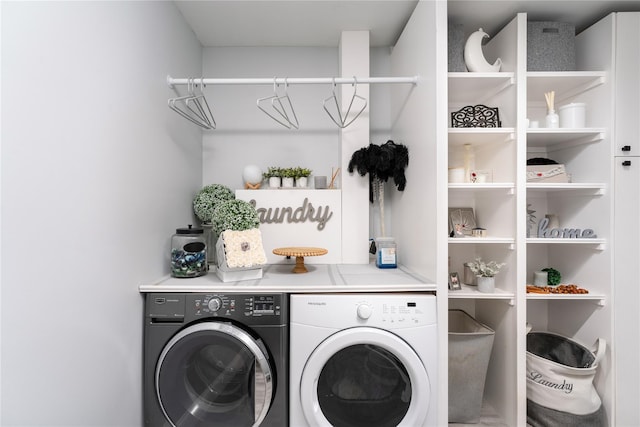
[[483, 241], [506, 187], [471, 292], [579, 188], [480, 136], [565, 84], [597, 243], [553, 139], [598, 298], [478, 86]]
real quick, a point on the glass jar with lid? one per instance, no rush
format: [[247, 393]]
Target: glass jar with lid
[[188, 252]]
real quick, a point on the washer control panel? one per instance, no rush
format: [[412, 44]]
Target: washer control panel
[[254, 309], [236, 306]]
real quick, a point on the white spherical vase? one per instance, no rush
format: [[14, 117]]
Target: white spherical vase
[[486, 285], [252, 176]]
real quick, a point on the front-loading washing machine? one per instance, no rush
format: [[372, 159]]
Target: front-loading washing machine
[[215, 359], [363, 360]]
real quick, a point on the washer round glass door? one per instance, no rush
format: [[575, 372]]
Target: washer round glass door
[[213, 373], [363, 377]]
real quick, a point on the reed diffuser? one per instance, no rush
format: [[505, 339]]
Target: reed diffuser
[[553, 121]]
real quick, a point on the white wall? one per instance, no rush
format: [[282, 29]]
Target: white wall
[[245, 135], [97, 173]]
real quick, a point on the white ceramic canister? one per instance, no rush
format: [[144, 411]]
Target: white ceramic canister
[[456, 175], [573, 115]]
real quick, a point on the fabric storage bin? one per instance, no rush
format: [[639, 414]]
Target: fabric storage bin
[[547, 173], [560, 390], [470, 344], [455, 45], [551, 46]]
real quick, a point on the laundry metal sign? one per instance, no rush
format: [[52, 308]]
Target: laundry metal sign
[[298, 217], [306, 212]]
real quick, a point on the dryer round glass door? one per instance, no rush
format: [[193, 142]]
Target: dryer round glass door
[[364, 377], [214, 374]]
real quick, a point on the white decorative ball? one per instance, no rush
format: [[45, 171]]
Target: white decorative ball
[[252, 174]]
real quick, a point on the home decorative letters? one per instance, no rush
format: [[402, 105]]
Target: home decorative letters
[[563, 233]]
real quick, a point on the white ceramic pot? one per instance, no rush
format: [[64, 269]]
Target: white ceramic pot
[[572, 115], [486, 284], [302, 182], [287, 182], [274, 182]]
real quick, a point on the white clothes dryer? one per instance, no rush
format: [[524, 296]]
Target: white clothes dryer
[[363, 360]]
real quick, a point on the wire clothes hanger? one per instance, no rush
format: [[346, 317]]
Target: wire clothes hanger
[[338, 118], [279, 107], [192, 107]]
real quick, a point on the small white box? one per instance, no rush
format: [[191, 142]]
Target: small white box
[[547, 173], [236, 275]]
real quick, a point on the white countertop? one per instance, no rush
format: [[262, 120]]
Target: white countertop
[[320, 278]]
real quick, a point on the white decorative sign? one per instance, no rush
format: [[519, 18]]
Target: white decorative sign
[[299, 217]]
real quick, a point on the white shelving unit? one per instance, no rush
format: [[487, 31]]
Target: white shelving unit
[[501, 206]]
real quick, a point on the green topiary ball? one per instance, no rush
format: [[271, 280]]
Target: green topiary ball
[[235, 215], [553, 276], [208, 198]]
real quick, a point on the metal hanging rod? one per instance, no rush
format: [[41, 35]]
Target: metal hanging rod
[[292, 80]]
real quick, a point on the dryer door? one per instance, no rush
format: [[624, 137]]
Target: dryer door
[[214, 374], [365, 377]]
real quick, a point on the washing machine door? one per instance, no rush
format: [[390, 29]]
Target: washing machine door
[[214, 373], [364, 377]]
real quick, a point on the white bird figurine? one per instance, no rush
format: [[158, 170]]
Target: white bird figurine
[[474, 57]]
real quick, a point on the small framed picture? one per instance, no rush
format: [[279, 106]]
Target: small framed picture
[[461, 222], [481, 176], [454, 282]]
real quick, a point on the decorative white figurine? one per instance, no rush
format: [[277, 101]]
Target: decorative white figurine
[[474, 57]]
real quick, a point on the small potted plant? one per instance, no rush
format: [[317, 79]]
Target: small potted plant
[[273, 175], [485, 273], [302, 177], [288, 177]]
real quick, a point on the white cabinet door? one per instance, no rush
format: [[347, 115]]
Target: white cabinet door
[[627, 92], [627, 289], [627, 216]]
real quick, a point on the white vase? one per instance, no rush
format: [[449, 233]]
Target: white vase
[[274, 182], [287, 182], [486, 284], [301, 182], [552, 119]]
